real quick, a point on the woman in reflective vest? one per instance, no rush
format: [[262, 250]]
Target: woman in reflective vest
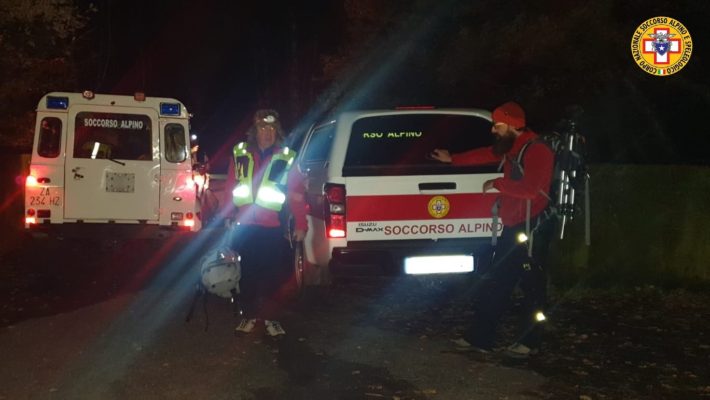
[[262, 179]]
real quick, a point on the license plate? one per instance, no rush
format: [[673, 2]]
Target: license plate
[[445, 264], [120, 182], [47, 197]]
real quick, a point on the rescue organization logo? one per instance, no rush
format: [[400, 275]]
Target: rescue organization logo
[[661, 46], [438, 206]]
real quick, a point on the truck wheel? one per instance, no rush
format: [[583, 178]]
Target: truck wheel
[[298, 266], [294, 287], [311, 280]]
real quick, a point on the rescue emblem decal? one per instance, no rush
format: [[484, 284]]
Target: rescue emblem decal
[[661, 46], [438, 206]]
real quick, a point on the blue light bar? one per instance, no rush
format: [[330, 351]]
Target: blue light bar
[[169, 108], [58, 102]]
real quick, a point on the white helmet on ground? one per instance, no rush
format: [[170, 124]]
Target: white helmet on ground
[[220, 272]]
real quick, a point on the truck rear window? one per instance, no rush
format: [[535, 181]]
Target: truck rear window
[[115, 136], [399, 144]]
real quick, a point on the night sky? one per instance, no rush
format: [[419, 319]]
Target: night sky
[[222, 59], [226, 59]]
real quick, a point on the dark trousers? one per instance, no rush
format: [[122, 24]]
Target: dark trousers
[[512, 266], [264, 268]]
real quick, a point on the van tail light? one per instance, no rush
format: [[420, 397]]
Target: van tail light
[[30, 181], [30, 218], [334, 204]]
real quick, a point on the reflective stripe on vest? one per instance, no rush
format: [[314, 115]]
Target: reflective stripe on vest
[[271, 188], [243, 171]]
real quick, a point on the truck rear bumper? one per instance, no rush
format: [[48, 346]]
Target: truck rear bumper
[[386, 257], [102, 230]]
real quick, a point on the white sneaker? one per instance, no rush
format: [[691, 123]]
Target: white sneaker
[[463, 345], [273, 328], [246, 325], [519, 350]]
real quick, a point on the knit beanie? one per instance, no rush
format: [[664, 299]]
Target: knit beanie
[[510, 113]]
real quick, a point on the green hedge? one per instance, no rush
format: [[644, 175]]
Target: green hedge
[[649, 224]]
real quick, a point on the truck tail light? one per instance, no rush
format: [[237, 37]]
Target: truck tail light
[[334, 204], [189, 220]]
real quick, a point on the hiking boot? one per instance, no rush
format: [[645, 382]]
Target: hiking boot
[[245, 325], [519, 350], [464, 345], [273, 328]]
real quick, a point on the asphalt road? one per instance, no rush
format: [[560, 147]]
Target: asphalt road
[[100, 319], [106, 320]]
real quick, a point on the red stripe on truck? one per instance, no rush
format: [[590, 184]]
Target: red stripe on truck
[[416, 206]]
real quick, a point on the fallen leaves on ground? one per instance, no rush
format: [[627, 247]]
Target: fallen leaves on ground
[[640, 343]]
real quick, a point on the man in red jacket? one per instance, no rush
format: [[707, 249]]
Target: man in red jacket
[[521, 250], [262, 178]]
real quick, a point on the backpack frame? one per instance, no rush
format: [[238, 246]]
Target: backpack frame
[[570, 178]]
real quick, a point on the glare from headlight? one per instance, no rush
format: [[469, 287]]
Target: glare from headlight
[[241, 191], [540, 317]]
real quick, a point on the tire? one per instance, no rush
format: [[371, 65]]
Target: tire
[[298, 268], [312, 281], [294, 285]]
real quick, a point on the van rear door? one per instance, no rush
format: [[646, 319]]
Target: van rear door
[[396, 192], [113, 164]]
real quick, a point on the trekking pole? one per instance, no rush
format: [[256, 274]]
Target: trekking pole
[[587, 212], [563, 195]]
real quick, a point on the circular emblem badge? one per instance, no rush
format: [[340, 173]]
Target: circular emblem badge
[[438, 206], [661, 46]]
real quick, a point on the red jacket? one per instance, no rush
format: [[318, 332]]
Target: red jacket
[[538, 161], [253, 214]]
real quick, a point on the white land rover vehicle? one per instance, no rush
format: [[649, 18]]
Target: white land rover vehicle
[[374, 192], [107, 160]]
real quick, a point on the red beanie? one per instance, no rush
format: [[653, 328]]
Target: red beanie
[[510, 113]]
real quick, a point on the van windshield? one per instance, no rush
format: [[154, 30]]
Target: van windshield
[[112, 136], [399, 144]]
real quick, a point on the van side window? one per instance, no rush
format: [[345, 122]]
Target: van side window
[[318, 148], [175, 144], [50, 137]]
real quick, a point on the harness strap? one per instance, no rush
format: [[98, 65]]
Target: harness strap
[[494, 228], [530, 243], [502, 163], [528, 206]]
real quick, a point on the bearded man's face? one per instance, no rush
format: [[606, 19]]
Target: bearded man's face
[[505, 137]]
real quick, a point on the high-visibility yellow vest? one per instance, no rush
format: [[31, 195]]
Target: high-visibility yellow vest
[[273, 183]]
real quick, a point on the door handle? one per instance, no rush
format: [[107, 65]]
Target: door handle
[[437, 186]]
